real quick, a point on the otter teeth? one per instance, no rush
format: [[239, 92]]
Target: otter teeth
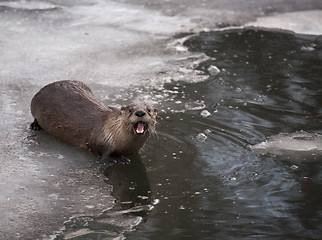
[[139, 128]]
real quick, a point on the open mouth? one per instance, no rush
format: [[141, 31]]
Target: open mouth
[[140, 127]]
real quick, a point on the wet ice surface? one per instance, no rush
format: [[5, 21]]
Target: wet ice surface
[[81, 41], [49, 189], [294, 21], [198, 178], [296, 142]]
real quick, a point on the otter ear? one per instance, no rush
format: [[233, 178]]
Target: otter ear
[[123, 109], [155, 111]]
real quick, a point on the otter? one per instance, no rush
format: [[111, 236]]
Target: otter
[[69, 111]]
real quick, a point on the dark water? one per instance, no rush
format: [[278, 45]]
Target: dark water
[[184, 187]]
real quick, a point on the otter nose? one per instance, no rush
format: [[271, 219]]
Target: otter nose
[[140, 113]]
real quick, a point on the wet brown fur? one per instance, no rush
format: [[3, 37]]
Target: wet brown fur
[[69, 111]]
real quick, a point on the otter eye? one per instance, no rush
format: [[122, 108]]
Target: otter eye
[[131, 110], [148, 109]]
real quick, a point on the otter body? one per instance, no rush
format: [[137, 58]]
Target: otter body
[[69, 111]]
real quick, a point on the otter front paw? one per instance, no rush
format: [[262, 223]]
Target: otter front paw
[[117, 159]]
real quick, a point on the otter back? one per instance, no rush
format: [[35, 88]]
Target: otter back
[[68, 110]]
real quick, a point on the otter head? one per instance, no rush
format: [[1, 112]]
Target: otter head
[[140, 119]]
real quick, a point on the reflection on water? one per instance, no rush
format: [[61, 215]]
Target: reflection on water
[[130, 184], [132, 189]]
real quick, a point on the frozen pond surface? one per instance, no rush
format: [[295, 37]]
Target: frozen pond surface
[[238, 151]]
